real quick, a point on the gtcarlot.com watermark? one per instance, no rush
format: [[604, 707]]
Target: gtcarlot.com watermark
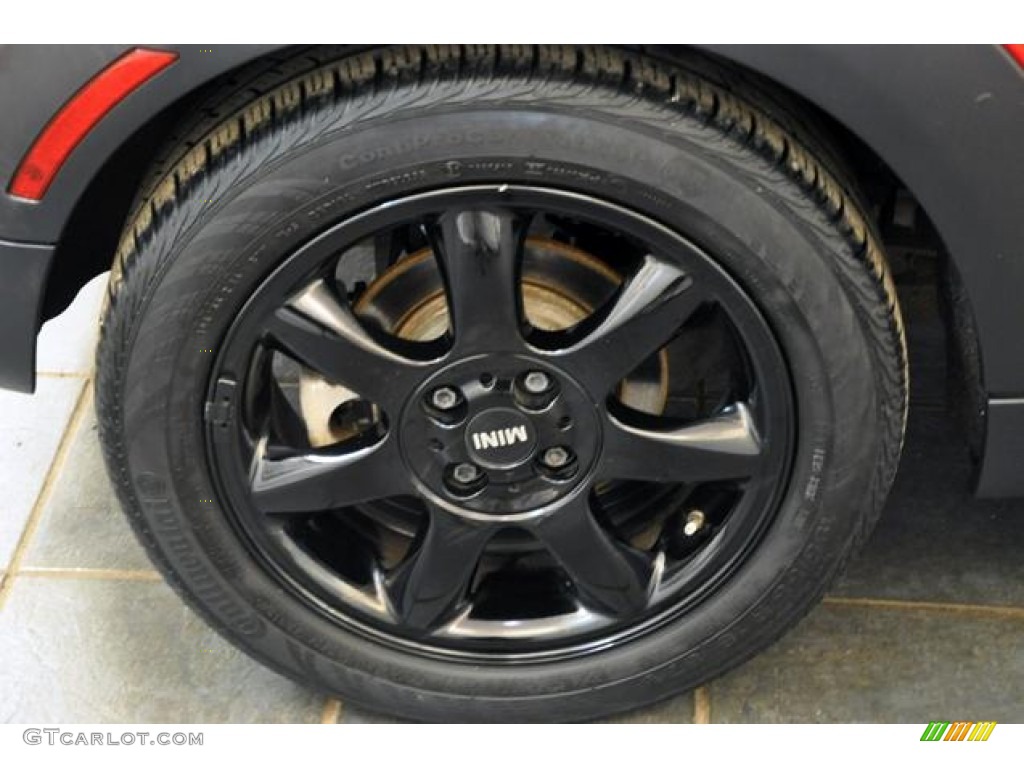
[[59, 737]]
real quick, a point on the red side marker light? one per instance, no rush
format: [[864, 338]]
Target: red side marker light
[[1016, 50], [80, 115]]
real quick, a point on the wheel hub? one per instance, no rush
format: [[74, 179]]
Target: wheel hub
[[501, 438], [530, 431], [561, 286]]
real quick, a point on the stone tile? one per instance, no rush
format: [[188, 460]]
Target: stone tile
[[67, 343], [82, 525], [678, 709], [934, 541], [130, 652], [857, 665], [31, 427]]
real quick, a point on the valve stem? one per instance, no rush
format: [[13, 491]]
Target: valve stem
[[694, 522]]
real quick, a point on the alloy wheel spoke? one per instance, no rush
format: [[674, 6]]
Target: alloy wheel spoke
[[647, 312], [320, 331], [433, 581], [722, 447], [316, 481], [480, 254], [608, 574]]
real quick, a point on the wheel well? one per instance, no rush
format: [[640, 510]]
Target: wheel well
[[913, 247], [90, 236]]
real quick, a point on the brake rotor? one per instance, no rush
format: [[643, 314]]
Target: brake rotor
[[561, 286]]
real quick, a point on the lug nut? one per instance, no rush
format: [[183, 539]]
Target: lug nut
[[536, 382], [694, 523], [465, 473], [558, 463], [464, 479], [444, 398], [556, 458], [445, 405], [535, 390]]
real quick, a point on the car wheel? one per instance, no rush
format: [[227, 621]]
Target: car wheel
[[519, 383]]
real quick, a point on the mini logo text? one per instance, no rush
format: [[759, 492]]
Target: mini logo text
[[499, 438]]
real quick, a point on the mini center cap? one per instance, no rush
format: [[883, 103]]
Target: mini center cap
[[500, 438]]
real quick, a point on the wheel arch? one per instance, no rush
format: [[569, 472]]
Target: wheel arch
[[878, 109], [826, 82], [92, 196]]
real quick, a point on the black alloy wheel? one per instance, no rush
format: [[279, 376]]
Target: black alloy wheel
[[501, 430], [500, 383]]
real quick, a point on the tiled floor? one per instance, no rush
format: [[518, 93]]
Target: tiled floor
[[927, 623]]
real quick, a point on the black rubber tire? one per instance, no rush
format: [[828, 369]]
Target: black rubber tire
[[694, 153]]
